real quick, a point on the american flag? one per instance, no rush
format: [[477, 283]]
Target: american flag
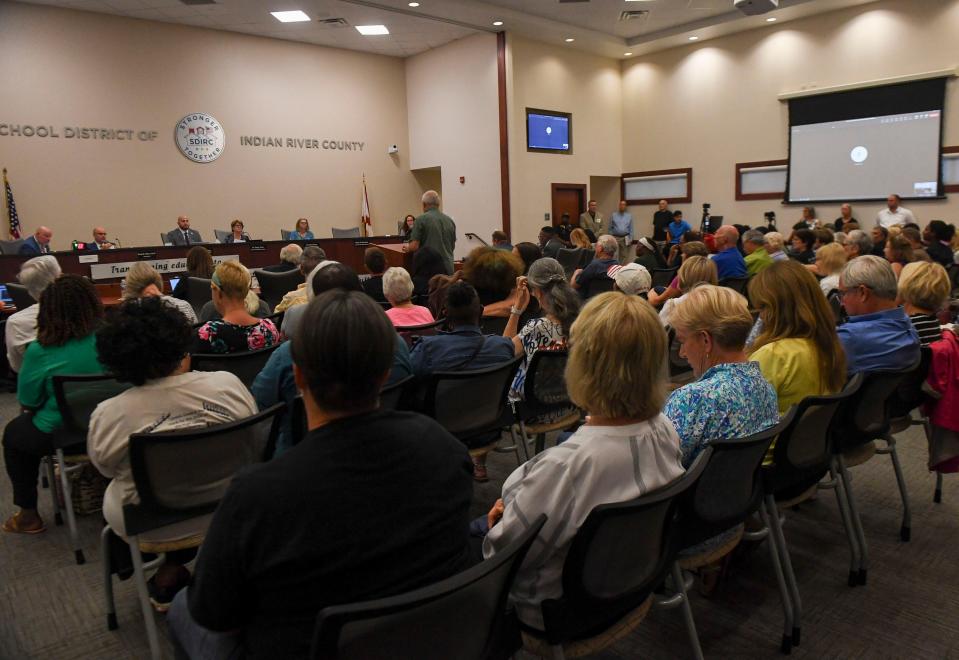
[[365, 221], [11, 208]]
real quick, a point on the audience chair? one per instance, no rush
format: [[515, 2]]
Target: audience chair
[[597, 286], [545, 394], [620, 555], [800, 458], [494, 325], [77, 397], [663, 276], [180, 478], [245, 365], [953, 279], [572, 258], [464, 616], [11, 247], [410, 333], [835, 304], [198, 292], [352, 232], [679, 369], [18, 293], [907, 399], [273, 286], [738, 284]]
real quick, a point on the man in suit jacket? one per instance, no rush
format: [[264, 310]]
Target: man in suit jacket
[[549, 241], [100, 241], [593, 220], [183, 235], [39, 243]]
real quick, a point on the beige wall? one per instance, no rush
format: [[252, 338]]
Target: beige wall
[[712, 105], [452, 96], [554, 78], [68, 68]]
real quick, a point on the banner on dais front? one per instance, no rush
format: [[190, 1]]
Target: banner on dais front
[[119, 269]]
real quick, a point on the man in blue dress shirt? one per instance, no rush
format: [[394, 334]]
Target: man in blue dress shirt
[[621, 227], [878, 334]]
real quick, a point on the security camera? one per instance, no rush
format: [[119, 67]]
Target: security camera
[[393, 149]]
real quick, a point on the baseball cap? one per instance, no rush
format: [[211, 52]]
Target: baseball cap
[[631, 279]]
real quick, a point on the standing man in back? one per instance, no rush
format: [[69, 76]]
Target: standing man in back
[[621, 227], [592, 221], [661, 220], [434, 229]]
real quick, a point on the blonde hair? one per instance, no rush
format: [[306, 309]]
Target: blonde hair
[[695, 270], [718, 310], [924, 284], [397, 285], [232, 279], [830, 259], [598, 378], [139, 277], [579, 238], [774, 241]]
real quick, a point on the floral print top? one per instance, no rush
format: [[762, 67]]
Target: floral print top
[[224, 337], [539, 334], [731, 400]]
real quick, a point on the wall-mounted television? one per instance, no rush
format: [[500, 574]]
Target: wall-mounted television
[[548, 131]]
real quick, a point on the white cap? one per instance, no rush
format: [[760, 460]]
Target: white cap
[[631, 279]]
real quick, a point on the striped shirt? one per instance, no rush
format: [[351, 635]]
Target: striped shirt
[[927, 327], [597, 465]]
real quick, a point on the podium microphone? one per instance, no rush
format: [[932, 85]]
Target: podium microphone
[[116, 241]]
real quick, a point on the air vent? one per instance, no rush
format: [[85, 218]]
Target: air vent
[[632, 15], [194, 3], [334, 22]]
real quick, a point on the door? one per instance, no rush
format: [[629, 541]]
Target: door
[[568, 198]]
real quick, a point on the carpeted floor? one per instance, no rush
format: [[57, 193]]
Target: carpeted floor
[[52, 608]]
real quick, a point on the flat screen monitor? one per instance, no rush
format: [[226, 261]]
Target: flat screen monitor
[[548, 131]]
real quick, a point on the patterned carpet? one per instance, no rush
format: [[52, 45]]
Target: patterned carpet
[[52, 608]]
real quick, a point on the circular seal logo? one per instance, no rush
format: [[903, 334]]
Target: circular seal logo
[[200, 137]]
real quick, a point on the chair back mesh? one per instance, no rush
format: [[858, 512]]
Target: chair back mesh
[[598, 285], [392, 395], [737, 284], [245, 365], [871, 415], [77, 397], [18, 293], [411, 333], [663, 276], [198, 292], [677, 364], [467, 403], [494, 325], [909, 395], [570, 259], [273, 286]]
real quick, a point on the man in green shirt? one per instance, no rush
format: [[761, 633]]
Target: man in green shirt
[[757, 259], [434, 229]]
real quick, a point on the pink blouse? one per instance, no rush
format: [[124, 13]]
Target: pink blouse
[[415, 315]]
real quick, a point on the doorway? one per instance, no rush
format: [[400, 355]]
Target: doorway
[[568, 198]]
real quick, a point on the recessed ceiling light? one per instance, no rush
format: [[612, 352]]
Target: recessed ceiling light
[[694, 38], [771, 19], [627, 54], [497, 23], [414, 4], [371, 30], [570, 40], [290, 16]]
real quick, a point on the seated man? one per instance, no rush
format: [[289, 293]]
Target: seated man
[[857, 244], [754, 245], [289, 259], [309, 258], [36, 274], [371, 504], [100, 241], [39, 243], [729, 261], [606, 250], [550, 242], [878, 334], [183, 235], [501, 240], [375, 261]]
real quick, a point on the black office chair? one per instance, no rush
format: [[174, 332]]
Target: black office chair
[[11, 247], [663, 276], [621, 553], [245, 365], [572, 258], [181, 476], [544, 393], [273, 286], [678, 365], [464, 616], [597, 286], [738, 284], [352, 232], [410, 333], [198, 292], [835, 304], [77, 397], [18, 293]]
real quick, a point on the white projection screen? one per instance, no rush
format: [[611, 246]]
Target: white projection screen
[[866, 144]]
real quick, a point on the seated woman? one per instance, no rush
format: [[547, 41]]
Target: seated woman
[[253, 304], [798, 349], [493, 274], [676, 252], [774, 246], [145, 343], [830, 260], [802, 242], [398, 289], [237, 235], [427, 262], [70, 312], [695, 270], [626, 449], [408, 223], [579, 239], [923, 289], [302, 231], [528, 252], [898, 252], [275, 382], [687, 250], [142, 281], [199, 263], [237, 330]]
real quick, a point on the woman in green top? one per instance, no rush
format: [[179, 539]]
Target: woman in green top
[[70, 312]]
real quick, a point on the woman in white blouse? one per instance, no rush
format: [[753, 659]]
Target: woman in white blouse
[[616, 371]]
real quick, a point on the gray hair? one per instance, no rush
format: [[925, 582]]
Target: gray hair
[[559, 298], [774, 241], [291, 253], [310, 257], [38, 273], [754, 236], [840, 237], [139, 277], [431, 198], [397, 285], [873, 272], [861, 240], [607, 244]]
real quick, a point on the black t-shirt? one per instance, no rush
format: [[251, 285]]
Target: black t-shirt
[[660, 221], [374, 288], [940, 253], [365, 507]]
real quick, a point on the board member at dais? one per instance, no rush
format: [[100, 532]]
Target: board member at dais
[[183, 235]]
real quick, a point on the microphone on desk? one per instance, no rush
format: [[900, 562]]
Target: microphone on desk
[[116, 241]]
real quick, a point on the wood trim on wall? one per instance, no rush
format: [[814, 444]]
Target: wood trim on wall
[[954, 188], [688, 171], [757, 163], [503, 130]]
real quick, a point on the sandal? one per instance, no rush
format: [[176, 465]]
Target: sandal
[[479, 473], [14, 525]]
